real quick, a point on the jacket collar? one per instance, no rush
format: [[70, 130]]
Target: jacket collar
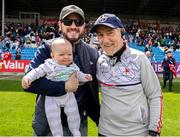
[[118, 54]]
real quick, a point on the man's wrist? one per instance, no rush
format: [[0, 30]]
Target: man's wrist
[[154, 133]]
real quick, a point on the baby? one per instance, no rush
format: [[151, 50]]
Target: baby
[[59, 68]]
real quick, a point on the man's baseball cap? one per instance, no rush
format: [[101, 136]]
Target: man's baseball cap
[[71, 9], [109, 20], [168, 51]]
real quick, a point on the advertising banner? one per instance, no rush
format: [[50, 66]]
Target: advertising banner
[[158, 68], [20, 65], [13, 65]]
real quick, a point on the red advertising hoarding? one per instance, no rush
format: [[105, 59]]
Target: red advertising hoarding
[[20, 65], [13, 65]]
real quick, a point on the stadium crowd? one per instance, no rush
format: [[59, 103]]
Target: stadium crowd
[[148, 36], [18, 36]]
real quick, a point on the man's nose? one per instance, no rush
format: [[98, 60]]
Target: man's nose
[[105, 39], [73, 25]]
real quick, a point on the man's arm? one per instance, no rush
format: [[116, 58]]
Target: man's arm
[[153, 92], [174, 61], [47, 87]]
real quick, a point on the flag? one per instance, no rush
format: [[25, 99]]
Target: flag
[[172, 68]]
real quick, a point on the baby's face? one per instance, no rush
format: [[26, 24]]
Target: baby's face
[[63, 55]]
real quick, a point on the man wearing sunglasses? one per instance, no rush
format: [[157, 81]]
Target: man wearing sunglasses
[[72, 26]]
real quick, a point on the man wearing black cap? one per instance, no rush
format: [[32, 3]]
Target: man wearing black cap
[[131, 92], [168, 65], [72, 25]]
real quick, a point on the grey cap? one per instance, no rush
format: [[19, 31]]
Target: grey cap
[[71, 9]]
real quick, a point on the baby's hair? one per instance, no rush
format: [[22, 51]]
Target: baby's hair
[[58, 42]]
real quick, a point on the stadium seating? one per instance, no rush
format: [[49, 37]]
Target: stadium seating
[[159, 53], [135, 46], [26, 53]]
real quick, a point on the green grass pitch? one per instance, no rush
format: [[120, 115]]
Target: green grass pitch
[[17, 109]]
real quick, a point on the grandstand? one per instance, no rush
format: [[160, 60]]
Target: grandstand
[[152, 19], [158, 52], [26, 53]]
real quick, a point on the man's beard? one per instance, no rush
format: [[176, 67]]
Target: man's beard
[[72, 40], [112, 51]]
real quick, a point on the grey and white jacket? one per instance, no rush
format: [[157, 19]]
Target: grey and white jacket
[[131, 95]]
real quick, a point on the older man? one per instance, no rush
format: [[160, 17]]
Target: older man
[[131, 92]]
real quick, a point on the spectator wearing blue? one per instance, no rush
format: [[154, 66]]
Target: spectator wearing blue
[[18, 54], [168, 61], [131, 92], [72, 26]]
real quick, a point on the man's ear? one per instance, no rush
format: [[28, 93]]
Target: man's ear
[[122, 32], [59, 25], [51, 55]]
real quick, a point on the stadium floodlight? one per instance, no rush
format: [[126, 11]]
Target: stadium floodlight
[[3, 14]]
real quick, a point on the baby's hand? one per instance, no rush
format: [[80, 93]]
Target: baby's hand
[[26, 83], [89, 77]]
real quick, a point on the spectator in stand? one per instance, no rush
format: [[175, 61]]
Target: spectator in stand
[[32, 38], [7, 45], [1, 54], [7, 55], [27, 43], [1, 39], [151, 57], [16, 44], [18, 54], [168, 66], [38, 40]]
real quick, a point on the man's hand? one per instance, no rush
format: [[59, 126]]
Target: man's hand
[[72, 84], [25, 83], [89, 77], [153, 134]]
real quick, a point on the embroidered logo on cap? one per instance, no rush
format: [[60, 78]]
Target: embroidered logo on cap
[[103, 18]]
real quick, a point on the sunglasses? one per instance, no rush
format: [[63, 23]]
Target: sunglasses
[[77, 22]]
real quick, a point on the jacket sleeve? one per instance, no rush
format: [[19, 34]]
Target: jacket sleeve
[[174, 61], [42, 85], [153, 92], [81, 76], [38, 72]]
